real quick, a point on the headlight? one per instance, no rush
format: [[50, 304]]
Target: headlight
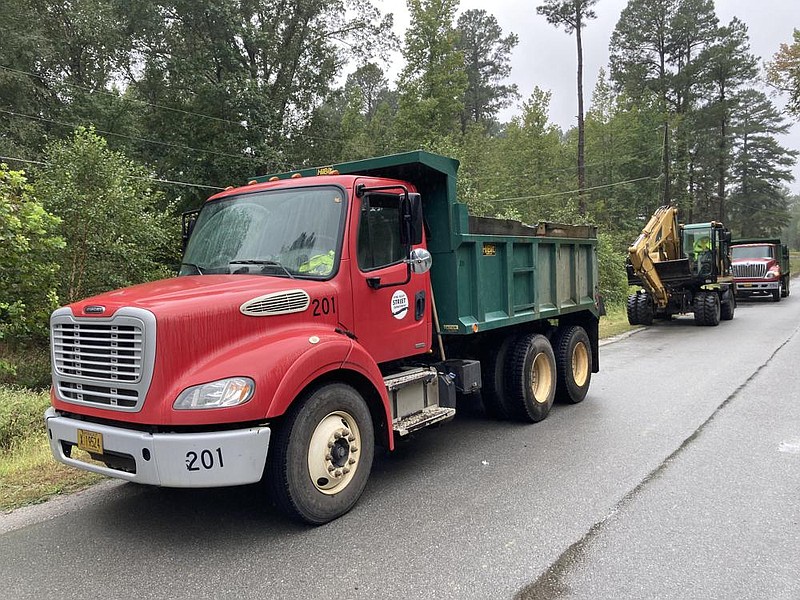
[[773, 272], [216, 394]]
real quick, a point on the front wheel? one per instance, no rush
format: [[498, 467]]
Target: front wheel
[[321, 456], [777, 294]]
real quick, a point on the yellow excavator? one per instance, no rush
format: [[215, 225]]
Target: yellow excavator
[[681, 269]]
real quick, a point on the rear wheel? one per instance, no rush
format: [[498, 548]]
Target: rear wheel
[[728, 306], [531, 378], [493, 380], [321, 456], [573, 352]]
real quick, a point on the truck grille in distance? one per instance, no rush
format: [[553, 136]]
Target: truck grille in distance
[[749, 269]]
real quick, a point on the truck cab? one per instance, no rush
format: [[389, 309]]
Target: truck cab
[[761, 267]]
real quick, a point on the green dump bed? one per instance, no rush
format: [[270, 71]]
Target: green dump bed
[[490, 273]]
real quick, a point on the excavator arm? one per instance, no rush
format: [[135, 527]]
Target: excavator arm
[[659, 241]]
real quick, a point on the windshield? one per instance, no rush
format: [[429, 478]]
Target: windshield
[[287, 233], [751, 252]]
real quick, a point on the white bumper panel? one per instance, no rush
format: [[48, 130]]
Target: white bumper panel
[[186, 460], [757, 286]]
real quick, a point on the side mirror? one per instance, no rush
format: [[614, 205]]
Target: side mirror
[[188, 219], [420, 261], [410, 220]]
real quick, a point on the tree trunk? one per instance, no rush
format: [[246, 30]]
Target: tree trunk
[[581, 163]]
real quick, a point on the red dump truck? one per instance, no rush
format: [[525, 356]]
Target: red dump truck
[[760, 266], [316, 315]]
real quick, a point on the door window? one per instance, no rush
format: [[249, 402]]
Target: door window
[[379, 232]]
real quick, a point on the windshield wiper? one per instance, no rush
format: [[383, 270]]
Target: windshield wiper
[[266, 263], [194, 266]]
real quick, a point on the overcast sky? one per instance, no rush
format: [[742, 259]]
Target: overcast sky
[[546, 56]]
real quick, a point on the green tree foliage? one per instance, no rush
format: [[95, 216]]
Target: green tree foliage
[[784, 72], [487, 56], [257, 70], [623, 139], [724, 68], [759, 205], [57, 61], [114, 234], [28, 249], [432, 84]]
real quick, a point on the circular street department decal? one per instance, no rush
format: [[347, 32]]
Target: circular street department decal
[[399, 304]]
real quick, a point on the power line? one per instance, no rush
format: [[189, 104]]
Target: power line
[[182, 183], [136, 139], [589, 189], [161, 106]]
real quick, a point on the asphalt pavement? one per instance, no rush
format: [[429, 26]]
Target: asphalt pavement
[[677, 477]]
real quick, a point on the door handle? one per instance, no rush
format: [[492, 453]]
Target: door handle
[[419, 306]]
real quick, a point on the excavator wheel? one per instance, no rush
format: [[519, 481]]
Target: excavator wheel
[[633, 315], [644, 309], [707, 308], [728, 306]]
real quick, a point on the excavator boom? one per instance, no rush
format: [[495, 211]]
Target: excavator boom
[[659, 241]]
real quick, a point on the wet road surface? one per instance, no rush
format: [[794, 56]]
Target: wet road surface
[[677, 477]]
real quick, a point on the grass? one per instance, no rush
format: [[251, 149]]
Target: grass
[[28, 472], [615, 321]]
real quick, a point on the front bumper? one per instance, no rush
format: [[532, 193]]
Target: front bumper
[[758, 286], [184, 460]]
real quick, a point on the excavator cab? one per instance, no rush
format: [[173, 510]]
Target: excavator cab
[[707, 246], [698, 247]]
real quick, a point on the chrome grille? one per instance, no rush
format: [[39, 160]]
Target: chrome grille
[[107, 352], [103, 362], [758, 269]]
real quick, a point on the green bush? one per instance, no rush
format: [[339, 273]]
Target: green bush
[[611, 258], [25, 365], [28, 247], [21, 414]]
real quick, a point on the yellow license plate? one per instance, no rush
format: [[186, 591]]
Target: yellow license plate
[[90, 441]]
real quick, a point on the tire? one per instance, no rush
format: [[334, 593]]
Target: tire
[[493, 369], [321, 456], [727, 307], [573, 352], [633, 314], [777, 294], [786, 287], [644, 309], [712, 309], [699, 307], [530, 378]]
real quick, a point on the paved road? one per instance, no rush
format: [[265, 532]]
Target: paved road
[[678, 477]]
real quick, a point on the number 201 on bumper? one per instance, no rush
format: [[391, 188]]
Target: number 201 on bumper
[[204, 460]]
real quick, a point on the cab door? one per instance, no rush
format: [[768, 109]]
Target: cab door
[[391, 310]]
